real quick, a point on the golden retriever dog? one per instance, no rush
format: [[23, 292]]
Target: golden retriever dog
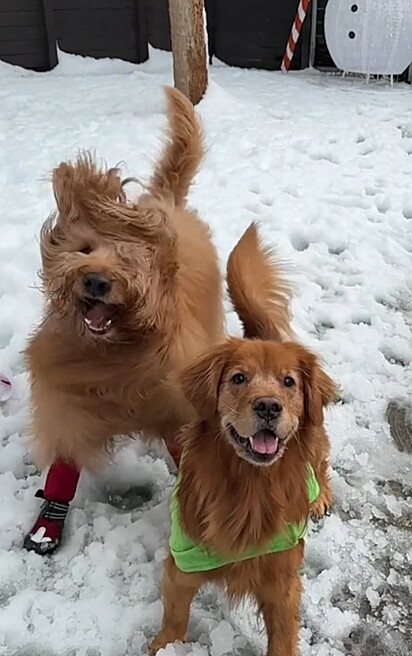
[[254, 464], [133, 295]]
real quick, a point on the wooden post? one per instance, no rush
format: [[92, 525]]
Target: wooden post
[[188, 33]]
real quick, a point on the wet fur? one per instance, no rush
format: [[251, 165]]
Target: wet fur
[[166, 291], [226, 503]]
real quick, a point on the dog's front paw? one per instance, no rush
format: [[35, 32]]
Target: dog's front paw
[[161, 640], [321, 506], [155, 645]]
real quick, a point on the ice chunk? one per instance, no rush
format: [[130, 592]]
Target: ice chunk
[[373, 597], [175, 649], [222, 639]]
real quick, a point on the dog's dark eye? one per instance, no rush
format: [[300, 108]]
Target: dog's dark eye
[[238, 379], [289, 381], [86, 250]]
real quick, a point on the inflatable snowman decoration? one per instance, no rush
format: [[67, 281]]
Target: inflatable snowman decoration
[[370, 36]]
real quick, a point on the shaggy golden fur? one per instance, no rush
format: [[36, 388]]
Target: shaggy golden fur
[[101, 365], [232, 494]]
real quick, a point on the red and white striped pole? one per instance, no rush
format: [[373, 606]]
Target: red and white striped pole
[[295, 34]]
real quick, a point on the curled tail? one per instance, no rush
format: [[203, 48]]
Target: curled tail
[[258, 290], [183, 151]]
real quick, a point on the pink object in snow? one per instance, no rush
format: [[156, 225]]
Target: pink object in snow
[[6, 386]]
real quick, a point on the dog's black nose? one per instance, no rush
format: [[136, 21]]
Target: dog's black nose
[[96, 285], [266, 407]]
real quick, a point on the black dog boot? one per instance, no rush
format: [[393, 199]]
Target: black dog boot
[[45, 536]]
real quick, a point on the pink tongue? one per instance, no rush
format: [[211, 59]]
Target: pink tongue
[[264, 442], [97, 315]]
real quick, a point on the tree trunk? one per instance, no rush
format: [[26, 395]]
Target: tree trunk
[[189, 47]]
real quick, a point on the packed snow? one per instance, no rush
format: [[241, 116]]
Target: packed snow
[[325, 165]]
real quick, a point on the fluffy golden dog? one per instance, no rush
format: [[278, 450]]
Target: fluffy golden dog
[[133, 294], [242, 499]]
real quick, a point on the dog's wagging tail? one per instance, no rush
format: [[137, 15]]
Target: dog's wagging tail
[[184, 151]]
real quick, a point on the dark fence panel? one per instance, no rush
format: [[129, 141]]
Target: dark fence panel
[[101, 28], [322, 59], [98, 28], [255, 34], [25, 38], [158, 24]]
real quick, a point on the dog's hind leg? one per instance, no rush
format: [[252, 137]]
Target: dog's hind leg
[[59, 489]]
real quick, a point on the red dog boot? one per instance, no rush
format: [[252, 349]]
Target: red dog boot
[[59, 490]]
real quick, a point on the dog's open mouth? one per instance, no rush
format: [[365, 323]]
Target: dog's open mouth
[[263, 447], [97, 316]]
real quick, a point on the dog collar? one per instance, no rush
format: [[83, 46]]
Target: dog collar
[[189, 557]]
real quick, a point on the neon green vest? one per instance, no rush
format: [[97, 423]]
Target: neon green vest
[[190, 557]]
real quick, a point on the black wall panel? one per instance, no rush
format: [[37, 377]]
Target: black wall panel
[[101, 28], [25, 38], [322, 58], [158, 23], [255, 34]]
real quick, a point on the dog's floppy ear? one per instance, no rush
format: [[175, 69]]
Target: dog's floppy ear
[[75, 184], [63, 181], [200, 381], [319, 389]]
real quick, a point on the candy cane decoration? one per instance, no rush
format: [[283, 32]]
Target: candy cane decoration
[[295, 34]]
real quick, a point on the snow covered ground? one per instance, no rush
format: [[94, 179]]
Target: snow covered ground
[[325, 165]]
